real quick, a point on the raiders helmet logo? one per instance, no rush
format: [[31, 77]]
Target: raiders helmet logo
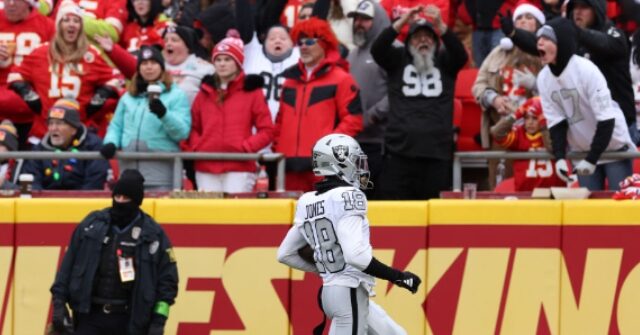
[[340, 152]]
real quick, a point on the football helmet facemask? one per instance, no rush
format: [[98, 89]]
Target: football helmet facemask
[[340, 155]]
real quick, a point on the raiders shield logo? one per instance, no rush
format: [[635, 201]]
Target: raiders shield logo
[[340, 152]]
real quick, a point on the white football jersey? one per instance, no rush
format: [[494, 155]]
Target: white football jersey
[[334, 223], [581, 96]]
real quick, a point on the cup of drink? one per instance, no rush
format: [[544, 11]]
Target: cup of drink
[[154, 91], [26, 181], [469, 190]]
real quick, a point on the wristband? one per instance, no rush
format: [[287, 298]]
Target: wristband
[[162, 308]]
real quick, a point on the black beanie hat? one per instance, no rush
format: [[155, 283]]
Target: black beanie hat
[[150, 52], [131, 184], [188, 35]]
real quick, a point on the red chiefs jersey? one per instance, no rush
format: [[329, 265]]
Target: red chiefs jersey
[[23, 37], [530, 173], [134, 36], [72, 80], [396, 8], [112, 11], [289, 15]]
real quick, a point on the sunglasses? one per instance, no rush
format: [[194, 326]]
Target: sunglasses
[[307, 41]]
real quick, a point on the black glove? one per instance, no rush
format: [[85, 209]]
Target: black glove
[[61, 319], [506, 23], [409, 281], [108, 150], [156, 107], [157, 325], [99, 98], [26, 92]]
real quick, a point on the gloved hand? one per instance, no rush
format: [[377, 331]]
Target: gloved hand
[[506, 23], [61, 319], [585, 168], [157, 107], [157, 325], [524, 78], [562, 171], [26, 92], [99, 98], [409, 281], [108, 150]]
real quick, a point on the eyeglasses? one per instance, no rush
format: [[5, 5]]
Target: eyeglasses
[[307, 41]]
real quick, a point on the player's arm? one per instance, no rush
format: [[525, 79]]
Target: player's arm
[[288, 251], [357, 253]]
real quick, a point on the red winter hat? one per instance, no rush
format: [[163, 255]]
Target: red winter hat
[[232, 47]]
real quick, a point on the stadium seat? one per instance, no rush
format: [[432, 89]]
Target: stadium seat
[[470, 118]]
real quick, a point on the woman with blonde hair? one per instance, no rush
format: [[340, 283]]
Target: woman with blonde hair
[[66, 67], [153, 116]]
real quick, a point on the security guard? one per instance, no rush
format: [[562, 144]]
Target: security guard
[[119, 275]]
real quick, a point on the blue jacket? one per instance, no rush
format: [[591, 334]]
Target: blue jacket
[[69, 174], [133, 124]]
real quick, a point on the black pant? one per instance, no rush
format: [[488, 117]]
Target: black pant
[[99, 323], [406, 178]]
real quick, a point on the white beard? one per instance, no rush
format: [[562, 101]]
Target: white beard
[[359, 38], [422, 63]]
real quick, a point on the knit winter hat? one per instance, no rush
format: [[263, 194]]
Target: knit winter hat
[[150, 52], [232, 47], [315, 28], [67, 110], [130, 184], [8, 135], [527, 8], [68, 7], [188, 35], [217, 20]]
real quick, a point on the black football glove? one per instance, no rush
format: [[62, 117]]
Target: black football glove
[[26, 92], [506, 23], [108, 150], [157, 107], [99, 98], [409, 281]]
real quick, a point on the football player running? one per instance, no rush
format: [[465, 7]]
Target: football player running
[[332, 221]]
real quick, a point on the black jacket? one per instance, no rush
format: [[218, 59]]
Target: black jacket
[[156, 272], [419, 123], [74, 174], [606, 46]]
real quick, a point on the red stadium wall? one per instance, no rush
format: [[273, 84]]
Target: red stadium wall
[[489, 267]]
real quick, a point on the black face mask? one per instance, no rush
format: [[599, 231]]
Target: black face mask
[[122, 213]]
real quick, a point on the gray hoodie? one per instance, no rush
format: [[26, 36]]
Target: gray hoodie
[[372, 80]]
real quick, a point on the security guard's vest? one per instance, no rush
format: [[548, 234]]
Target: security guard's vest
[[107, 285]]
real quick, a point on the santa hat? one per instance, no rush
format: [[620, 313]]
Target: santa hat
[[68, 7], [315, 28], [232, 47], [527, 8]]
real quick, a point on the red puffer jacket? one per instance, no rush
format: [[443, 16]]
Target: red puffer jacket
[[227, 126], [328, 102]]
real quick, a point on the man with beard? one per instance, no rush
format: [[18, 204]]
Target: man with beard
[[67, 134], [119, 274], [369, 19], [419, 134]]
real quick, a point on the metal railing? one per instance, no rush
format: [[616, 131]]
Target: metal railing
[[176, 157], [477, 155]]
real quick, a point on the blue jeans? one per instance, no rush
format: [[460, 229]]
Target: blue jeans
[[482, 42], [613, 172]]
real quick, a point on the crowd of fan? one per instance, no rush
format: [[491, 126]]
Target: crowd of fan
[[248, 76]]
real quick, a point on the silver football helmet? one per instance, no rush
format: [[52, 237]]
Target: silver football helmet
[[340, 155]]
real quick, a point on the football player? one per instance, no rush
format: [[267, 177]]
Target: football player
[[332, 221]]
